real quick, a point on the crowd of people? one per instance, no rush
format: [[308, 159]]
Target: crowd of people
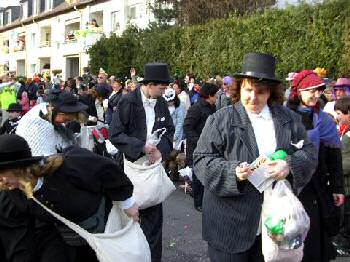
[[216, 127]]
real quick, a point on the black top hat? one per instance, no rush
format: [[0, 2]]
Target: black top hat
[[156, 73], [14, 107], [15, 152], [68, 103], [259, 66]]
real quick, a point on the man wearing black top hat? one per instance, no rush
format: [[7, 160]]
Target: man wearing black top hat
[[255, 125], [10, 125], [138, 114]]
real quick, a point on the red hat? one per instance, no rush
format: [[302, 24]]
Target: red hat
[[306, 80]]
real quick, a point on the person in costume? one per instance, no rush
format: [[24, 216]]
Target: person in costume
[[138, 115], [44, 126], [340, 89], [71, 184], [255, 125], [325, 192], [10, 125]]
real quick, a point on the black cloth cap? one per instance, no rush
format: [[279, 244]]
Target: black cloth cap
[[103, 91], [52, 97], [68, 103], [15, 107], [15, 152], [258, 65], [156, 73]]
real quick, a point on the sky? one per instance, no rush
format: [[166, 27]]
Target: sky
[[283, 3]]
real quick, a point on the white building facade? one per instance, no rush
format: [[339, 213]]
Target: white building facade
[[54, 35]]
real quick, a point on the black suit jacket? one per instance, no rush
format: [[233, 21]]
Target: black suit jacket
[[128, 129]]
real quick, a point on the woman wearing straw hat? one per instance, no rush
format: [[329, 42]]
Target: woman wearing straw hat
[[71, 184]]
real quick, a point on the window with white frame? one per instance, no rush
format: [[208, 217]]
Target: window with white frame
[[48, 5], [1, 18], [32, 69], [25, 10], [35, 7], [132, 12], [32, 40], [115, 26], [7, 17]]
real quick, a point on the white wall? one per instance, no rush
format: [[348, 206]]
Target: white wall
[[60, 50]]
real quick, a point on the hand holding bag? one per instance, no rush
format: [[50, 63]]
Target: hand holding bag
[[151, 183]]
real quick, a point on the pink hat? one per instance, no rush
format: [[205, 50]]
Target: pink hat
[[291, 76], [342, 82], [306, 80]]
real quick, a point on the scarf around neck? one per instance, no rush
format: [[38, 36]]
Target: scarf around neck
[[324, 131]]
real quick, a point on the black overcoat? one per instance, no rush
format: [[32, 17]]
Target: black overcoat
[[194, 123], [232, 208], [128, 129]]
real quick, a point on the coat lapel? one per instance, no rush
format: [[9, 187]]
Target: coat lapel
[[248, 136], [140, 111], [282, 130]]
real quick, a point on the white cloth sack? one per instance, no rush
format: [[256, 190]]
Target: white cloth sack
[[281, 202], [151, 183], [123, 240]]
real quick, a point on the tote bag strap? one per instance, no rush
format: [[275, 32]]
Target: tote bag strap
[[76, 228]]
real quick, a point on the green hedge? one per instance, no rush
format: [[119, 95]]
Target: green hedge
[[299, 37]]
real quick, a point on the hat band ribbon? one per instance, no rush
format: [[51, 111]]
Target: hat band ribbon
[[13, 156], [312, 87], [258, 75]]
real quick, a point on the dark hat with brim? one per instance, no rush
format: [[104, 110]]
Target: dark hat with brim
[[157, 73], [68, 103], [258, 66], [14, 107], [15, 152]]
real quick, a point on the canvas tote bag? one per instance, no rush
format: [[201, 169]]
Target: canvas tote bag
[[122, 241], [151, 183]]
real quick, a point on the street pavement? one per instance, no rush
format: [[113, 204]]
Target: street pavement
[[182, 231]]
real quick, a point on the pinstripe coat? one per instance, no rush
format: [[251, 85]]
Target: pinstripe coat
[[231, 209]]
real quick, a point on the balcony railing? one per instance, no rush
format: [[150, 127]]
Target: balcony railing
[[71, 37], [19, 48], [4, 49], [45, 44]]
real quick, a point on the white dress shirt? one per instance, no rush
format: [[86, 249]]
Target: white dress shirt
[[264, 130], [148, 105]]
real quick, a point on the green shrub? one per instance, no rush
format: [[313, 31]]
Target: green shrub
[[299, 37]]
